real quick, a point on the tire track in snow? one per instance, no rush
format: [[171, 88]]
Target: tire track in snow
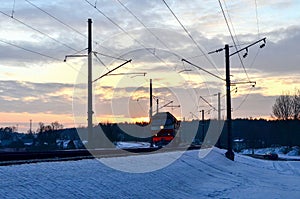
[[285, 168]]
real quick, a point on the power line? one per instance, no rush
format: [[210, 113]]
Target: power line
[[99, 60], [63, 23], [244, 100], [257, 20], [32, 28], [13, 9], [123, 30], [208, 103], [110, 56], [140, 21], [28, 50], [238, 43], [72, 28], [190, 36], [55, 18], [231, 22], [203, 69], [37, 53], [223, 12]]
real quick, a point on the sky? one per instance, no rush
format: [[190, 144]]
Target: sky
[[36, 84]]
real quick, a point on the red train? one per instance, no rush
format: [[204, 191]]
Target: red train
[[164, 127]]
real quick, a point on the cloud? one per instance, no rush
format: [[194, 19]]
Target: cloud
[[202, 19], [254, 105], [35, 97]]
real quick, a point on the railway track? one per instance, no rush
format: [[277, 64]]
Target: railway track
[[15, 158]]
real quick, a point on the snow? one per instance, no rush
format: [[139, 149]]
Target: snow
[[291, 153], [132, 145], [189, 176]]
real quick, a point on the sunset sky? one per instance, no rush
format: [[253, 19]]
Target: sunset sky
[[36, 35]]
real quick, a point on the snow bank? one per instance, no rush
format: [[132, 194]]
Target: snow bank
[[283, 150], [213, 176], [132, 145]]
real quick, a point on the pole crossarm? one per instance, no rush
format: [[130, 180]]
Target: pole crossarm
[[247, 82], [166, 104], [216, 51], [173, 106], [74, 56], [200, 68], [245, 48], [144, 74], [208, 103], [112, 70], [185, 70], [110, 56]]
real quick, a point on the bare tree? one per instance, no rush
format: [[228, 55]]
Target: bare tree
[[282, 109], [56, 125], [296, 105], [287, 106], [41, 127]]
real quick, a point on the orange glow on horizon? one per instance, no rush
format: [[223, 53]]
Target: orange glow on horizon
[[37, 117]]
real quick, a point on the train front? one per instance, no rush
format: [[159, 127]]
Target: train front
[[164, 127]]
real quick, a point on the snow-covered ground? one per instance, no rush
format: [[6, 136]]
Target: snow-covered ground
[[283, 151], [132, 145], [188, 177]]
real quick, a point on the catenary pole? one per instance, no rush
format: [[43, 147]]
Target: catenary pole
[[229, 154], [90, 85], [151, 104]]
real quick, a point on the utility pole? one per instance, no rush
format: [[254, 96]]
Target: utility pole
[[90, 111], [229, 154], [150, 110], [30, 126], [203, 124], [90, 85], [157, 108], [219, 106], [219, 119]]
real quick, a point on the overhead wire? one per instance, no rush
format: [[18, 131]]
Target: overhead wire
[[28, 50], [37, 53], [244, 100], [151, 32], [65, 24], [124, 31], [255, 57], [257, 20], [190, 36], [55, 18], [233, 40], [196, 44], [141, 22], [237, 40], [72, 28], [258, 34], [36, 30], [110, 56], [13, 9], [99, 60]]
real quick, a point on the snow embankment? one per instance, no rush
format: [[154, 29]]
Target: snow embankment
[[187, 177], [283, 152]]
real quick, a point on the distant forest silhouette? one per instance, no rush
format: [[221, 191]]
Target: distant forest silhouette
[[247, 133]]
